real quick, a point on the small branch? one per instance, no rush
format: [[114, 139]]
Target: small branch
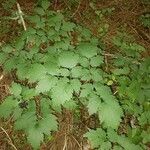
[[9, 139], [21, 17], [65, 143], [106, 63], [1, 77], [77, 9], [76, 142]]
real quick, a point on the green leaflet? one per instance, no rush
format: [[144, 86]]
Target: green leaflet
[[76, 72], [120, 71], [96, 61], [36, 72], [86, 90], [39, 11], [68, 59], [122, 140], [7, 48], [45, 106], [96, 137], [45, 4], [51, 68], [70, 105], [48, 123], [35, 138], [87, 49], [94, 104], [110, 114], [109, 107], [61, 93], [96, 75], [76, 85], [84, 62], [64, 72], [10, 64], [28, 93], [3, 57], [68, 26], [8, 106], [46, 84], [85, 75], [15, 89]]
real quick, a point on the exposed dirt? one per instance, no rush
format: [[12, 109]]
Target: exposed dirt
[[70, 133]]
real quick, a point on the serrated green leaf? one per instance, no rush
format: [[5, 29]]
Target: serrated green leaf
[[52, 68], [8, 106], [22, 71], [3, 57], [122, 140], [45, 4], [68, 59], [85, 75], [146, 136], [106, 146], [28, 93], [46, 84], [40, 11], [45, 106], [104, 92], [96, 75], [61, 92], [110, 114], [47, 124], [36, 72], [86, 90], [76, 85], [19, 44], [70, 105], [121, 71], [76, 72], [35, 19], [10, 64], [15, 89], [64, 72], [96, 137], [87, 49], [27, 120], [84, 62], [68, 26], [96, 61], [93, 104], [7, 48], [35, 137]]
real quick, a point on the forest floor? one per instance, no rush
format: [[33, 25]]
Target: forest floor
[[125, 15]]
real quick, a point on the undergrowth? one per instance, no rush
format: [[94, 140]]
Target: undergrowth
[[52, 70]]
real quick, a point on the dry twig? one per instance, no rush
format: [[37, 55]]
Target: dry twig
[[21, 17], [9, 139]]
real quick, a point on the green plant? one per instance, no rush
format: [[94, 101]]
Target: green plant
[[145, 19], [52, 71], [130, 79], [57, 73]]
